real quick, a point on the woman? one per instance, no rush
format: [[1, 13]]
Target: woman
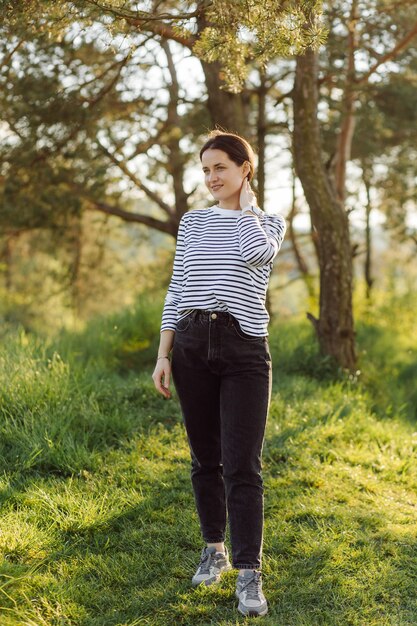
[[215, 322]]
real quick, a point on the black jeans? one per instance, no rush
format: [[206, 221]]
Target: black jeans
[[223, 379]]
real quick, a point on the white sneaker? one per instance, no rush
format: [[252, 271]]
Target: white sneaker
[[252, 601], [211, 567]]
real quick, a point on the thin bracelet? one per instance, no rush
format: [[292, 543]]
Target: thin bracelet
[[162, 357]]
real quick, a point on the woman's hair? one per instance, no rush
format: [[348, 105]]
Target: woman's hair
[[237, 148]]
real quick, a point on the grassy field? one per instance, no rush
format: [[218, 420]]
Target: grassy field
[[97, 523]]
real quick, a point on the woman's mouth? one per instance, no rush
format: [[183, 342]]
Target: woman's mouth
[[216, 187]]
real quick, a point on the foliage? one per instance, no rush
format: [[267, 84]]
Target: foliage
[[50, 123], [84, 127], [237, 33], [384, 140]]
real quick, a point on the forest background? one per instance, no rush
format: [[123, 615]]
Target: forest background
[[104, 106]]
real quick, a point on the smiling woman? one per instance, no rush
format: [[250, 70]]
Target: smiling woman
[[216, 323], [224, 163], [223, 177]]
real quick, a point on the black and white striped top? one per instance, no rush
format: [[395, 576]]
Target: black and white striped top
[[223, 261]]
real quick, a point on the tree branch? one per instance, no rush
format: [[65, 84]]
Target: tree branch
[[175, 164], [93, 80], [399, 5], [403, 43], [8, 58], [173, 87], [151, 194], [47, 152], [283, 96], [107, 88], [344, 142], [153, 22], [144, 16], [291, 281], [143, 146], [165, 227], [15, 130]]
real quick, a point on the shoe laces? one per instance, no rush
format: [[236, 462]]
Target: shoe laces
[[253, 587], [206, 561]]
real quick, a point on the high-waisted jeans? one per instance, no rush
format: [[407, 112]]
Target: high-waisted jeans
[[223, 380]]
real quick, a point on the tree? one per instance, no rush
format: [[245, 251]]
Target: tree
[[63, 130], [324, 179], [232, 39], [84, 123], [334, 327]]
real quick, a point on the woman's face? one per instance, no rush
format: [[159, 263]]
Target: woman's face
[[223, 177]]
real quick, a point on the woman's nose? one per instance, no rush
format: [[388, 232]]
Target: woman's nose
[[212, 176]]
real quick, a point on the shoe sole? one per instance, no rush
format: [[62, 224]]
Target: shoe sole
[[252, 613]]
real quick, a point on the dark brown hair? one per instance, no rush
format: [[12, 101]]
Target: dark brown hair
[[237, 148]]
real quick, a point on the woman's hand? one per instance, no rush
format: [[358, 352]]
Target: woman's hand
[[161, 376], [247, 196]]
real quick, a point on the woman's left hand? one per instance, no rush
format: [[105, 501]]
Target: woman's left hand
[[247, 196]]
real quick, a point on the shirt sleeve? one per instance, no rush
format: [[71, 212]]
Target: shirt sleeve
[[260, 242], [174, 293]]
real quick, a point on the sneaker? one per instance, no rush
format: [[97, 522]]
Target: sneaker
[[212, 565], [252, 601]]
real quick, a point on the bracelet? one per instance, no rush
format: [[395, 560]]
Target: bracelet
[[162, 357]]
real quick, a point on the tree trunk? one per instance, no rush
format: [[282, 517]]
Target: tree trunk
[[334, 328], [228, 110], [368, 240], [261, 135], [6, 257], [344, 143], [176, 162], [77, 253], [299, 258]]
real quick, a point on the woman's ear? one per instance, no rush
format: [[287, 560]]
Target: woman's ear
[[246, 169]]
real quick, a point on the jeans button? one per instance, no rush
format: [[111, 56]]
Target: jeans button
[[213, 316]]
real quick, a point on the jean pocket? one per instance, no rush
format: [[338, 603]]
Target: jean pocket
[[242, 335], [183, 324]]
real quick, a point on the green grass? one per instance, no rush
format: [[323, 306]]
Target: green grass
[[97, 522]]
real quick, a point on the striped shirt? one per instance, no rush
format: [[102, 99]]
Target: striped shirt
[[223, 261]]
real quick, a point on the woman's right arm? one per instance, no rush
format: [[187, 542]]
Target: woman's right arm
[[162, 372], [174, 294]]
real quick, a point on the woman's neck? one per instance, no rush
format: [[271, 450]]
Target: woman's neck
[[232, 204]]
